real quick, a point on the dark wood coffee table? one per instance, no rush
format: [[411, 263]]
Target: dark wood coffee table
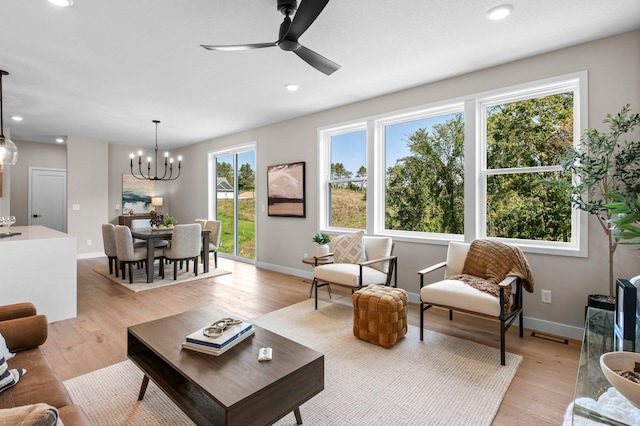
[[233, 388]]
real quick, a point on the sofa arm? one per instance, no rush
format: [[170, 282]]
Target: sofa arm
[[17, 310], [24, 333]]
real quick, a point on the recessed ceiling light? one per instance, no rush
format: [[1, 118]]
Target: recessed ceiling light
[[16, 118], [60, 140], [291, 87], [499, 12], [62, 3]]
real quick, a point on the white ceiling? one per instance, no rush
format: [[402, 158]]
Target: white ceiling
[[104, 69]]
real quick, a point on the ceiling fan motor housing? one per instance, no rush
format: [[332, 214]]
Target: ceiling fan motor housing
[[287, 7]]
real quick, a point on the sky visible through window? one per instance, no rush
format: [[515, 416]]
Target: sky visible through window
[[350, 148]]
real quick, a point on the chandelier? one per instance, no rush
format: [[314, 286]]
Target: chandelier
[[168, 164], [8, 149]]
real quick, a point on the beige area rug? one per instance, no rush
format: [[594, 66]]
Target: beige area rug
[[441, 381], [140, 276]]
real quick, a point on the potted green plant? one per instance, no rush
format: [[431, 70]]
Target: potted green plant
[[604, 164], [169, 221], [323, 243]]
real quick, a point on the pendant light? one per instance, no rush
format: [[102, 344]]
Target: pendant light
[[8, 149], [168, 164]]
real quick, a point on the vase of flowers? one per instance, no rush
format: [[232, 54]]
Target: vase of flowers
[[322, 241]]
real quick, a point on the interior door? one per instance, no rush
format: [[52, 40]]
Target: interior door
[[48, 198]]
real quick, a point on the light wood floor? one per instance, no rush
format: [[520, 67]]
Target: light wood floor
[[96, 338]]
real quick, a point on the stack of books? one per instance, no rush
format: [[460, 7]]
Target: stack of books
[[230, 337]]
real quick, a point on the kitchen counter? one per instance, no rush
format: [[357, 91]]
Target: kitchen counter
[[39, 266]]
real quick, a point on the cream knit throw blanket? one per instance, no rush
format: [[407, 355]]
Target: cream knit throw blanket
[[489, 262]]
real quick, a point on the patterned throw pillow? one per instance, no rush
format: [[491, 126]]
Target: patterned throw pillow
[[4, 351], [9, 377], [348, 248]]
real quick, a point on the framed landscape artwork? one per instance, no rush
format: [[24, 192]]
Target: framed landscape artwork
[[286, 190], [136, 194]]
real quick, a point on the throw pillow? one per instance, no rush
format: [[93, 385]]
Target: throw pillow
[[348, 248], [9, 377], [30, 415], [4, 351]]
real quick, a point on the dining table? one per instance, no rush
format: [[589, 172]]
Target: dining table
[[154, 234]]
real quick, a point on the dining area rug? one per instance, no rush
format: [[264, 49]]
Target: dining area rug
[[140, 276], [442, 380]]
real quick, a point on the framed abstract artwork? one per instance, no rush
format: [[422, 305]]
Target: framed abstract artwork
[[136, 194], [286, 190]]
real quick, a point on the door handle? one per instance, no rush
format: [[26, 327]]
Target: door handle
[[37, 215]]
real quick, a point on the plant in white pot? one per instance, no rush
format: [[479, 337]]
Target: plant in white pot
[[323, 243]]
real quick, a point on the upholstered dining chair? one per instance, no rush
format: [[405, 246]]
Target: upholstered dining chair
[[142, 224], [484, 278], [215, 226], [128, 254], [109, 243], [359, 261], [185, 246]]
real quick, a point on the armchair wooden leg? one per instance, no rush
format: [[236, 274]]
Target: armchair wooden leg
[[502, 342], [421, 321], [215, 258], [521, 323], [195, 266], [315, 285], [130, 273]]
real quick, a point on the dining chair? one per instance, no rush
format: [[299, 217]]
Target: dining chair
[[215, 226], [142, 224], [186, 241], [109, 243], [128, 254]]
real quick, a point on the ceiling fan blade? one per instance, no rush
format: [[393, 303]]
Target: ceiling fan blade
[[236, 47], [316, 60], [307, 12]]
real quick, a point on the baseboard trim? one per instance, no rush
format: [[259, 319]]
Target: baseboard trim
[[89, 255]]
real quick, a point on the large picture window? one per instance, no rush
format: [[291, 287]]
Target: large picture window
[[424, 172], [485, 165], [525, 140], [346, 183]]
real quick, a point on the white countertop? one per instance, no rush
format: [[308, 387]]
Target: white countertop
[[28, 233]]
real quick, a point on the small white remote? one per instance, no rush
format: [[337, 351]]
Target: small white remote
[[264, 354]]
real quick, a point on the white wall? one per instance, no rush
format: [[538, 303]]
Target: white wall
[[87, 187], [613, 66], [32, 154]]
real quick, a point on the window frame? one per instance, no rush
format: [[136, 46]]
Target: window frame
[[324, 171], [473, 107]]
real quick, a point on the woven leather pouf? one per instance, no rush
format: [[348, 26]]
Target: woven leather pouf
[[380, 314]]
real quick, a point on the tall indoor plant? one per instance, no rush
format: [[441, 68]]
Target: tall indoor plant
[[604, 164]]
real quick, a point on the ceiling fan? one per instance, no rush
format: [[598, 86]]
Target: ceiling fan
[[290, 31]]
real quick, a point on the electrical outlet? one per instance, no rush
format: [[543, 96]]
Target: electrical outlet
[[88, 242], [546, 296]]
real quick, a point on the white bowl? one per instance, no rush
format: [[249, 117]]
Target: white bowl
[[624, 361]]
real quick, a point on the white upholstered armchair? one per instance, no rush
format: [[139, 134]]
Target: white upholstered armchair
[[483, 278], [359, 261]]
